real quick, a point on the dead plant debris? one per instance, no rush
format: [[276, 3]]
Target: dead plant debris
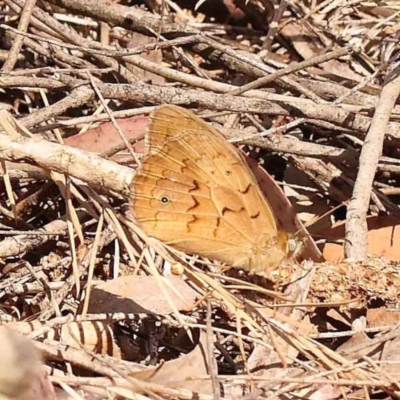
[[308, 91]]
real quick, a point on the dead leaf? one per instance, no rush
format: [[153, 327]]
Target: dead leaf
[[382, 317], [105, 137], [383, 239], [138, 40], [141, 294], [185, 372], [284, 212]]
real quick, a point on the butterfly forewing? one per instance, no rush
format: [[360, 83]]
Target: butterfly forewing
[[216, 159]]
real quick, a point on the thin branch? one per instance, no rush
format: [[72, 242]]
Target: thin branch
[[356, 224]]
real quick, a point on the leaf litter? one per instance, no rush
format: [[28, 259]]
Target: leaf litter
[[116, 314]]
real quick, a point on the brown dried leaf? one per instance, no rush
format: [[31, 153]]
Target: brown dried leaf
[[383, 239], [141, 294], [183, 371], [105, 137]]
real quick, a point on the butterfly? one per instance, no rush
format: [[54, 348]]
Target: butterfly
[[195, 192]]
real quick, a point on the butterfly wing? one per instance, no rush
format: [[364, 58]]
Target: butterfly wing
[[195, 192]]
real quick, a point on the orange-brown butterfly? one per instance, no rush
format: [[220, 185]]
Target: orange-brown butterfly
[[194, 191]]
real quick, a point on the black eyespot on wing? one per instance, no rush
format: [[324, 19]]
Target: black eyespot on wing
[[164, 200]]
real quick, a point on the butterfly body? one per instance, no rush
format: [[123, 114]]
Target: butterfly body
[[195, 192]]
